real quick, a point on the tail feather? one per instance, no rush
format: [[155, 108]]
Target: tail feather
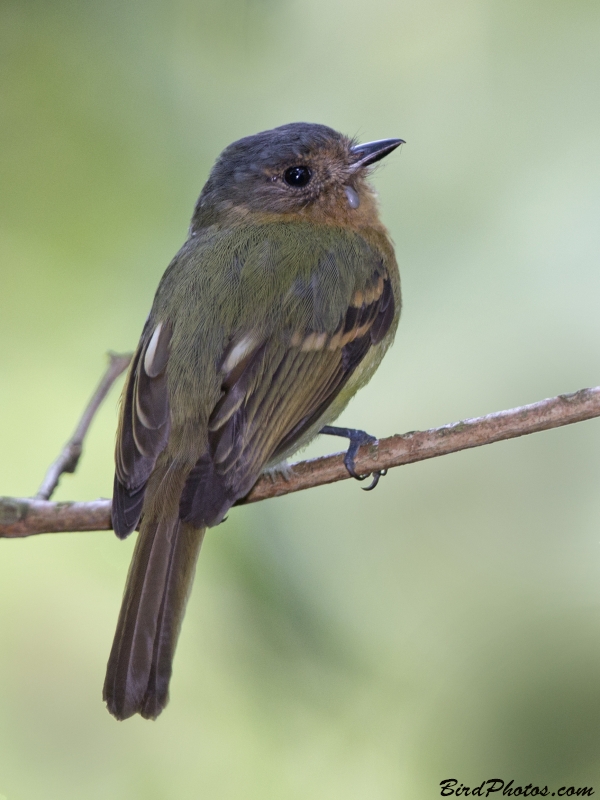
[[158, 586]]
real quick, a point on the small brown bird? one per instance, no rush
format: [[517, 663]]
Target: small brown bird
[[279, 306]]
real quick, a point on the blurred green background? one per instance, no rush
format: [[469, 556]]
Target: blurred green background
[[337, 644]]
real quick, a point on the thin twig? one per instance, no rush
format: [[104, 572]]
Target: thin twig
[[24, 517], [69, 457]]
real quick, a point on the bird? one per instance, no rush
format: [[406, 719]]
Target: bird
[[277, 309]]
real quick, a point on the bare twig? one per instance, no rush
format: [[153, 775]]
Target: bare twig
[[69, 457], [24, 517]]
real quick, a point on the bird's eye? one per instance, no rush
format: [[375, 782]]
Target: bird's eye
[[297, 176]]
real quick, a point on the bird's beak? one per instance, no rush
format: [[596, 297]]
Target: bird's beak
[[370, 152]]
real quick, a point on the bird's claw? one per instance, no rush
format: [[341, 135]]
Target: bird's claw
[[357, 439], [375, 475]]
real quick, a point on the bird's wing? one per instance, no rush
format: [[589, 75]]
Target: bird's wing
[[275, 391], [143, 426]]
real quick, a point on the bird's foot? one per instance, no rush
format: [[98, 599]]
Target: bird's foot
[[357, 439]]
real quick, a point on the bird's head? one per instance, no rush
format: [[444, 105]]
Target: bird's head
[[300, 170]]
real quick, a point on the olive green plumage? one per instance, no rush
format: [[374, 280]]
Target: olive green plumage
[[279, 306]]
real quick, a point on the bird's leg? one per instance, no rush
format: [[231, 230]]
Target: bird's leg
[[357, 439]]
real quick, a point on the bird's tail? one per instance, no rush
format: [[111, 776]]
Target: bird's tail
[[158, 586]]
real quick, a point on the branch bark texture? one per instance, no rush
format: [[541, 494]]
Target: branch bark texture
[[69, 457], [28, 516]]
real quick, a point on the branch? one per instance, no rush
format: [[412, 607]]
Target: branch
[[69, 458], [24, 517]]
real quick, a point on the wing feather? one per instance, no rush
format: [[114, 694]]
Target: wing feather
[[143, 427], [274, 395]]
